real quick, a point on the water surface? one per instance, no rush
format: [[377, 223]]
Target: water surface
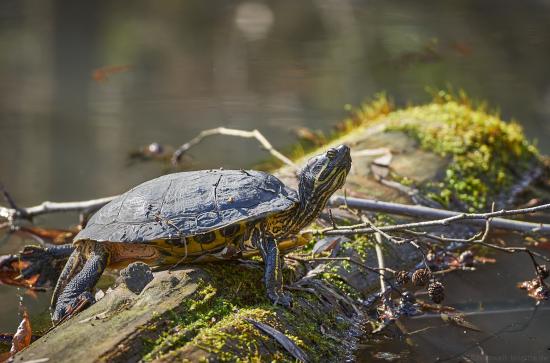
[[65, 129]]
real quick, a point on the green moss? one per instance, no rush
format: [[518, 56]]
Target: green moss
[[336, 280], [234, 334], [230, 288], [485, 153], [212, 322]]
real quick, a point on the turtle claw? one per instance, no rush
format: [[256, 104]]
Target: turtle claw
[[36, 259], [64, 312], [16, 271], [35, 266]]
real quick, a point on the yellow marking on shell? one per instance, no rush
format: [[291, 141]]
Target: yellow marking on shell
[[285, 245], [193, 247]]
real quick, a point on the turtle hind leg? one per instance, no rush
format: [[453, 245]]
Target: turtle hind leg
[[40, 265], [73, 292], [273, 274], [47, 263]]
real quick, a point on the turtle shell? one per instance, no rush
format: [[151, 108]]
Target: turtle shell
[[189, 203]]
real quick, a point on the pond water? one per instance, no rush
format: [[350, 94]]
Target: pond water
[[82, 84], [511, 327]]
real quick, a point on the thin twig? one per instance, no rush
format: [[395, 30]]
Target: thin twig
[[381, 262], [450, 217], [53, 207], [390, 238], [7, 196], [442, 238], [254, 134], [441, 216], [481, 239]]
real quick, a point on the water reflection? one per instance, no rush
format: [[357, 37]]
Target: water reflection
[[275, 66]]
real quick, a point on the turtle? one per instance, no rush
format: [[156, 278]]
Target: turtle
[[192, 214]]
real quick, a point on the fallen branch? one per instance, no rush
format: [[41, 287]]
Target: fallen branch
[[444, 217], [254, 134], [53, 207]]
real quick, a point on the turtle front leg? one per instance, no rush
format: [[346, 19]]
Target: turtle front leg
[[273, 274], [73, 292]]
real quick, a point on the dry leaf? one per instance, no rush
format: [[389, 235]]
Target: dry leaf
[[426, 306], [379, 172], [23, 335], [4, 357], [458, 320], [326, 244], [50, 235], [10, 271], [534, 289], [306, 134], [481, 259], [288, 344], [380, 167], [384, 160], [102, 74], [31, 293], [542, 245]]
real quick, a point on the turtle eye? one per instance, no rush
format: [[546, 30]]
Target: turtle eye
[[331, 153]]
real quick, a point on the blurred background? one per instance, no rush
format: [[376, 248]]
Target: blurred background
[[83, 83]]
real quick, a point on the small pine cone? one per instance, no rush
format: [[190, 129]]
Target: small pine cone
[[436, 291], [466, 258], [543, 271], [421, 277], [402, 277]]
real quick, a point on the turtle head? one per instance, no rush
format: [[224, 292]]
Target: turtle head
[[321, 177], [325, 173]]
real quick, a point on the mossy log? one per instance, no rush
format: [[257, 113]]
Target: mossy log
[[454, 154]]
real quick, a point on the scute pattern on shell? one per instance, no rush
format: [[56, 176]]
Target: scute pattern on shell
[[196, 202]]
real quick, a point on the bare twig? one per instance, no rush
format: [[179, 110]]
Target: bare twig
[[532, 254], [442, 238], [445, 217], [254, 134], [481, 238], [381, 262], [8, 197], [390, 238], [53, 207]]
